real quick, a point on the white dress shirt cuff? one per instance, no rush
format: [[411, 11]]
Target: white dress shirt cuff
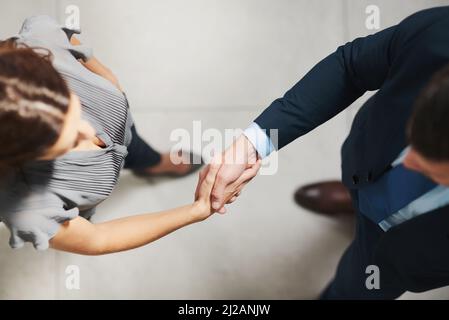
[[259, 140]]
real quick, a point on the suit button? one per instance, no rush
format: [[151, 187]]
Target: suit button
[[355, 179]]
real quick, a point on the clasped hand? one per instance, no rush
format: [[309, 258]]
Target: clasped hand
[[222, 181]]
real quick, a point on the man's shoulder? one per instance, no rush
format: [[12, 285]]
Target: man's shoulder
[[424, 19], [416, 36]]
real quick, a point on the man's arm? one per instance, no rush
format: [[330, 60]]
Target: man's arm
[[331, 86]]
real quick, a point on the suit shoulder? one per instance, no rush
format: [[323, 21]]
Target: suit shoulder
[[424, 18], [410, 29]]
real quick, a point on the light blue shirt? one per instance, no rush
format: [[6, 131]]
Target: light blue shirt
[[436, 198], [432, 200]]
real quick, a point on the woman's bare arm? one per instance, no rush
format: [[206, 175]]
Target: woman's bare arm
[[94, 65], [82, 237]]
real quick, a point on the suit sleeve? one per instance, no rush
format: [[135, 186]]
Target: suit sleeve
[[331, 86]]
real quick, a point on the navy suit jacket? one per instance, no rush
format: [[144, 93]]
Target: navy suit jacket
[[398, 62]]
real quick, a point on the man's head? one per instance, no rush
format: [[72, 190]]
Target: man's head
[[428, 130]]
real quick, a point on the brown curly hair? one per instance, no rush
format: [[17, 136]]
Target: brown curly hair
[[34, 99]]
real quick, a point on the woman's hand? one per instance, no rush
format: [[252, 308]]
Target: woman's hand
[[202, 205]]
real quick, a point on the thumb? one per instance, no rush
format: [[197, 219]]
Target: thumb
[[201, 177], [218, 196], [210, 178], [218, 190]]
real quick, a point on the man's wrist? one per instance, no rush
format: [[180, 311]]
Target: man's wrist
[[250, 149], [259, 140]]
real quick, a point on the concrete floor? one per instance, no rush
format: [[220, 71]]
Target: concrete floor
[[264, 248]]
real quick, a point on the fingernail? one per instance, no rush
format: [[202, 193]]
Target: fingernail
[[216, 205]]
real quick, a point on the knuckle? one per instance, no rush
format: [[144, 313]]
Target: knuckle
[[221, 176], [216, 195]]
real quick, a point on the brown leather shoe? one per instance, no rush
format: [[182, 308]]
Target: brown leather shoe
[[328, 197]]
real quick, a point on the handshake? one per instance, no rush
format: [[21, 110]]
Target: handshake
[[222, 181]]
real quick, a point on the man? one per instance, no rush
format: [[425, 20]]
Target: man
[[395, 161]]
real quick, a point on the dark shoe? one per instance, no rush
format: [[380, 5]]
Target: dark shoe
[[329, 197], [193, 168]]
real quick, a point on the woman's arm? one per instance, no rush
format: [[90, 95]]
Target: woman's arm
[[82, 237], [94, 65]]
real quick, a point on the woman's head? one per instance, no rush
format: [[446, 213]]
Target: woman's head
[[39, 117]]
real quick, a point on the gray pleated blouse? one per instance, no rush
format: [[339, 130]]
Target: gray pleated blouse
[[36, 200]]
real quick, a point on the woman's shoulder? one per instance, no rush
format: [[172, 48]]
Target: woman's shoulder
[[44, 31], [42, 27], [39, 21], [32, 213]]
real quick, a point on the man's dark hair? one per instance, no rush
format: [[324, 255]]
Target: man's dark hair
[[428, 128]]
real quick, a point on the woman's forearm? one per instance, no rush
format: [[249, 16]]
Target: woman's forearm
[[136, 231], [82, 237]]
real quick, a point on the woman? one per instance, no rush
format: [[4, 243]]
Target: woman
[[64, 137]]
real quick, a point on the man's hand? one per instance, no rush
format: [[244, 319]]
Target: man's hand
[[239, 164]]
